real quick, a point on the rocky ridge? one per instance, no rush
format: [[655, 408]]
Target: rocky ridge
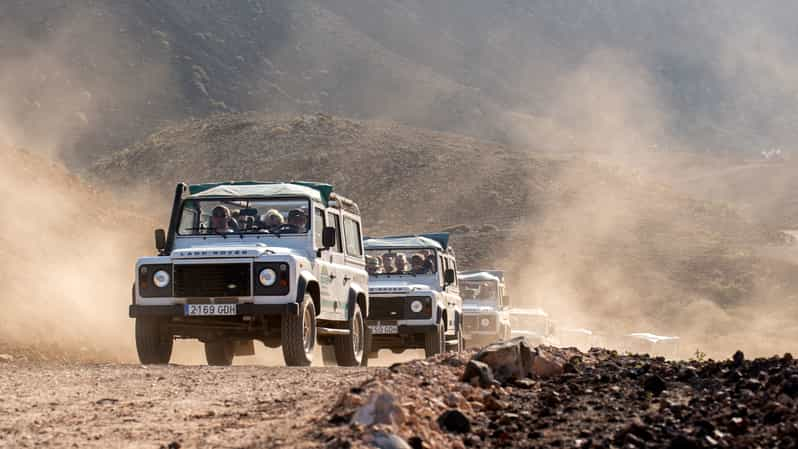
[[593, 399]]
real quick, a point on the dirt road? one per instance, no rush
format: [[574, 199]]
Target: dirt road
[[131, 406]]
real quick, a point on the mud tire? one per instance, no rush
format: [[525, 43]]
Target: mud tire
[[299, 334], [350, 349], [153, 342], [220, 352], [435, 342]]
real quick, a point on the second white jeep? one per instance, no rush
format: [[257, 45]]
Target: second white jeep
[[414, 294]]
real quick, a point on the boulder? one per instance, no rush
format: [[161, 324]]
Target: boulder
[[478, 373], [508, 360], [515, 359]]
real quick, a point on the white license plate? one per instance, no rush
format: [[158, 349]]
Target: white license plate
[[211, 309], [383, 329]]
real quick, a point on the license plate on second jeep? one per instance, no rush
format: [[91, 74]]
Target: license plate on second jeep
[[383, 329], [211, 309]]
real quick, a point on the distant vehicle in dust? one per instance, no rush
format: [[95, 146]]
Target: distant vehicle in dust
[[534, 325], [415, 296], [486, 317], [281, 263], [648, 343], [580, 338]]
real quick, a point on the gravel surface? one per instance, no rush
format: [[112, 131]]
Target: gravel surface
[[601, 400], [84, 405]]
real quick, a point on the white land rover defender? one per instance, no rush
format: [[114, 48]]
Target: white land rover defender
[[415, 300], [535, 326], [282, 263], [485, 307]]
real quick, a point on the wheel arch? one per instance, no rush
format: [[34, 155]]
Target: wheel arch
[[308, 283], [357, 295]]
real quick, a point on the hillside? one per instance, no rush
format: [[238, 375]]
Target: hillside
[[590, 241], [103, 74]]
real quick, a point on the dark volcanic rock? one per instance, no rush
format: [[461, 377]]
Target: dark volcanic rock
[[654, 385], [478, 373], [454, 421]]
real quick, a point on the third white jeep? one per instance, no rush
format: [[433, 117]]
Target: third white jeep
[[485, 307]]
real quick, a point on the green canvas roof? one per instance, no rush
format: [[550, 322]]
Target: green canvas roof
[[408, 242], [249, 189]]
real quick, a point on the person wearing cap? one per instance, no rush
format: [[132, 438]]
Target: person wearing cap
[[220, 220], [297, 221], [418, 264]]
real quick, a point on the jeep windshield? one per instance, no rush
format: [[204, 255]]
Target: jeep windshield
[[480, 292], [225, 216], [404, 261]]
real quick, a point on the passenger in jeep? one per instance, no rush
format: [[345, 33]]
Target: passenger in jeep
[[297, 221], [373, 265], [419, 264], [221, 220], [271, 220], [401, 263], [388, 264]]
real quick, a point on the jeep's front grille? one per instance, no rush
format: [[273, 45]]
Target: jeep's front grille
[[212, 280], [473, 323], [386, 308]]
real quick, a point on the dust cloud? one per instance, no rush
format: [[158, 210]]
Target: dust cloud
[[67, 250], [621, 250], [66, 267]]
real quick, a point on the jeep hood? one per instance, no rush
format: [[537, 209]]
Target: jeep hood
[[396, 287], [235, 250], [477, 308]]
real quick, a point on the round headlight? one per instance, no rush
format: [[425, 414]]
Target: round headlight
[[484, 322], [161, 278], [416, 306], [267, 277]]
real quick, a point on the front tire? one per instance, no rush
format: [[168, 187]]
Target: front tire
[[153, 342], [459, 342], [434, 342], [220, 352], [349, 349], [299, 334]]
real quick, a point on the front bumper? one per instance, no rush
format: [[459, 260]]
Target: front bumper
[[178, 310]]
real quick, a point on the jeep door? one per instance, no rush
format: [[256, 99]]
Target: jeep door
[[337, 259], [451, 294], [328, 288], [354, 270]]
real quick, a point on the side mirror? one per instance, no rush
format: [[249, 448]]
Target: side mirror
[[448, 276], [328, 237], [160, 239]]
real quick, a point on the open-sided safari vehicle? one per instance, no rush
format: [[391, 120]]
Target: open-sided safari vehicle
[[281, 263]]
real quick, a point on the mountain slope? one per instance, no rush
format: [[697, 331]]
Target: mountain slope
[[103, 74]]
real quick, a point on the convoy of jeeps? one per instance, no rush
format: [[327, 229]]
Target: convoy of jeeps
[[286, 264]]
